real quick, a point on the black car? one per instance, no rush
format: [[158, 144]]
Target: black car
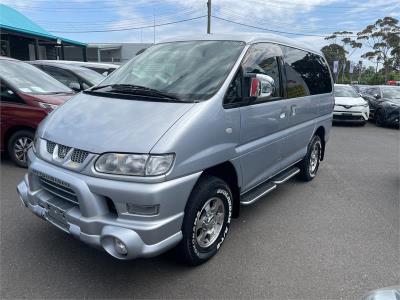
[[361, 88], [384, 104], [75, 77]]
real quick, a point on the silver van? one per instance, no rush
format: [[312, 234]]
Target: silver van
[[165, 150]]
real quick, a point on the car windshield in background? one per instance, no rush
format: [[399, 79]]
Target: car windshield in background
[[92, 76], [192, 70], [29, 79], [391, 93], [345, 91]]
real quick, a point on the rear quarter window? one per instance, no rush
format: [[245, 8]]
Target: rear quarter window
[[306, 73]]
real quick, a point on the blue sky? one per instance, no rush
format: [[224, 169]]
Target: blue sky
[[311, 19]]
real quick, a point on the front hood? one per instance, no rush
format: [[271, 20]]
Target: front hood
[[99, 124], [349, 101], [393, 100]]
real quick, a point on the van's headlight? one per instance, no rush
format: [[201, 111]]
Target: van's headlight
[[134, 164]]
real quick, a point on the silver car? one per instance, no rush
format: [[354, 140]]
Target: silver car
[[165, 150]]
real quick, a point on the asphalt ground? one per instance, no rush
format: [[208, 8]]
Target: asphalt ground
[[335, 237]]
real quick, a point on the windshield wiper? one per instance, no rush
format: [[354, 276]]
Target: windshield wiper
[[136, 90]]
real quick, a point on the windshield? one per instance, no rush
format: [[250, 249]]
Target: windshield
[[29, 79], [91, 76], [345, 91], [391, 93], [191, 70]]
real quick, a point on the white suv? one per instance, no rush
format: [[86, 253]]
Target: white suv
[[349, 105]]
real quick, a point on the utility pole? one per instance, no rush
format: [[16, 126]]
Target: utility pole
[[208, 16]]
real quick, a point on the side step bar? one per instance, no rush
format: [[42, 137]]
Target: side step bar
[[259, 191]]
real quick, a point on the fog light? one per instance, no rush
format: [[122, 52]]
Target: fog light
[[145, 210], [120, 247]]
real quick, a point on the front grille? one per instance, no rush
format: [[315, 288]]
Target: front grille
[[63, 150], [58, 188], [79, 156], [50, 147], [348, 117]]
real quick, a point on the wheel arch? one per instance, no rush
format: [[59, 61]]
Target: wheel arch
[[321, 133], [227, 172], [10, 131]]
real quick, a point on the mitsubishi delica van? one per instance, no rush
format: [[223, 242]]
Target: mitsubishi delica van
[[165, 150]]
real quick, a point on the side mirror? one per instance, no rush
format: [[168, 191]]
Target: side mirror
[[377, 96], [262, 86], [74, 86]]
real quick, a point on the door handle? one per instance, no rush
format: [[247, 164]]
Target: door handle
[[293, 109], [282, 115]]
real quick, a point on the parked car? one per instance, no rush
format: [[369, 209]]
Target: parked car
[[394, 82], [384, 103], [27, 95], [74, 77], [361, 88], [165, 150], [386, 293], [349, 105], [101, 68]]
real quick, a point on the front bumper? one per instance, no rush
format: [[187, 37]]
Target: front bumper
[[354, 114], [92, 221]]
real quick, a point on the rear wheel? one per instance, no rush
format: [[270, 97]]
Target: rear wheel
[[18, 146], [309, 165], [206, 222]]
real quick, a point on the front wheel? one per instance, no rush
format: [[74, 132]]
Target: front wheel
[[18, 146], [206, 222], [379, 118], [309, 165]]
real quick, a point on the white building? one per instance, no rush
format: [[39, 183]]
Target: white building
[[113, 52]]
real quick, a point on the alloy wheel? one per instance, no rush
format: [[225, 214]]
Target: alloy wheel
[[209, 222], [21, 147]]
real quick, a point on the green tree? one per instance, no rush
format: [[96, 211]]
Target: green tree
[[333, 52], [382, 40], [347, 44]]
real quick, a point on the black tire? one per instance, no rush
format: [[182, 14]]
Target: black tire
[[308, 173], [208, 188], [379, 118], [13, 146]]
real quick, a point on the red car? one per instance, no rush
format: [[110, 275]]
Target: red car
[[27, 95]]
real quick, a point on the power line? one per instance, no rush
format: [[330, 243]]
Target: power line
[[163, 15], [133, 28], [120, 24], [279, 24], [266, 29]]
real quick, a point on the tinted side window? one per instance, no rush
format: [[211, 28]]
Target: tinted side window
[[299, 70], [264, 59], [8, 95], [234, 94], [323, 83]]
